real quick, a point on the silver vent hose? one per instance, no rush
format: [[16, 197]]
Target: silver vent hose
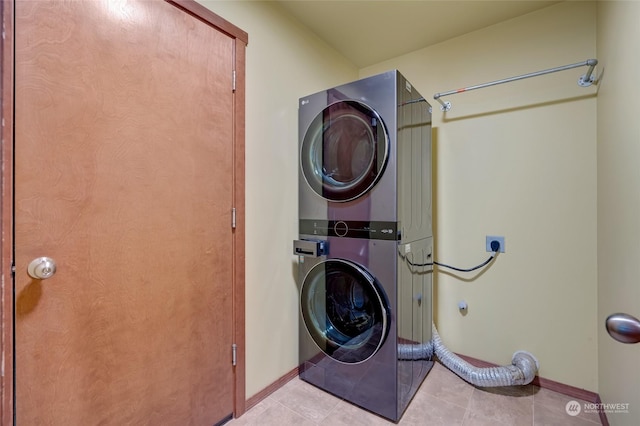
[[522, 370]]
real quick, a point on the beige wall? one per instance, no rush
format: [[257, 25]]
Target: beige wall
[[284, 63], [517, 160], [619, 201]]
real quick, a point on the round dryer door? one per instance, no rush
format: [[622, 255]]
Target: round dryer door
[[344, 151], [344, 310]]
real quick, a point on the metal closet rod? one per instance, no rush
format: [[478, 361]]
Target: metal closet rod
[[584, 81]]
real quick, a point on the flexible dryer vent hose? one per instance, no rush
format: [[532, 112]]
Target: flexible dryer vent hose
[[522, 370]]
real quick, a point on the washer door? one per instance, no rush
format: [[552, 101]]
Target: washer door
[[344, 151], [344, 310]]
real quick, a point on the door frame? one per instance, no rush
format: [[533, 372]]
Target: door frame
[[7, 75]]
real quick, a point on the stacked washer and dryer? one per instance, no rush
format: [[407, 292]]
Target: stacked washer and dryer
[[365, 241]]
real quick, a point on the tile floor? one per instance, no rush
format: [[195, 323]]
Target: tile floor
[[443, 399]]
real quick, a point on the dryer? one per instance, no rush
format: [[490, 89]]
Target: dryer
[[365, 241], [365, 156]]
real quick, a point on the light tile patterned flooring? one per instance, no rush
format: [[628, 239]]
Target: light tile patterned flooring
[[443, 399]]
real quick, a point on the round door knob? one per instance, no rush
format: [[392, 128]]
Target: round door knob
[[623, 328], [41, 268]]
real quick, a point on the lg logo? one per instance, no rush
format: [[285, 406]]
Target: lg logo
[[573, 408]]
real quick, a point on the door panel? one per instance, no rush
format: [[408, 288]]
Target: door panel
[[124, 176]]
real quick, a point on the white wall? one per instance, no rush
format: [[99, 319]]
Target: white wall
[[284, 63], [517, 160], [619, 201]]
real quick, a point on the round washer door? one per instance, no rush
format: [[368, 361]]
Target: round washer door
[[344, 310], [344, 151]]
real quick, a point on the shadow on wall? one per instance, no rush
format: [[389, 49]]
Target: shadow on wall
[[434, 215], [294, 273], [445, 119]]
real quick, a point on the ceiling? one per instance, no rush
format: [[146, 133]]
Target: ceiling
[[371, 31]]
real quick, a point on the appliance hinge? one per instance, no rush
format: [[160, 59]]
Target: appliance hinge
[[233, 218], [13, 269], [234, 354], [233, 80]]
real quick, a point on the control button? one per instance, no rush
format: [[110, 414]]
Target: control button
[[341, 229]]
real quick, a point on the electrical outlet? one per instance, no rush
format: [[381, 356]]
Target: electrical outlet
[[490, 239]]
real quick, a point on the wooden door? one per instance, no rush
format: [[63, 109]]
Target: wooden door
[[124, 175]]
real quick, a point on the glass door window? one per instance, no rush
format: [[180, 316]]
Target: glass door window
[[344, 310], [344, 151]]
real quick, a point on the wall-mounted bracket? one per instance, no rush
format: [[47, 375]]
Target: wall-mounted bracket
[[445, 106], [589, 78], [586, 81]]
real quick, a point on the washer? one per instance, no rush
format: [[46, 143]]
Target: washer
[[365, 241], [359, 300]]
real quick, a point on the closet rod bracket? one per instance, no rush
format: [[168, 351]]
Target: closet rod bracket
[[444, 106], [588, 79]]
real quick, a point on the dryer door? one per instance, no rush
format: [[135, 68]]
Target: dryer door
[[344, 151], [344, 310]]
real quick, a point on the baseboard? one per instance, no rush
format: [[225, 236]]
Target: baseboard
[[571, 391], [603, 415], [255, 399], [552, 385]]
